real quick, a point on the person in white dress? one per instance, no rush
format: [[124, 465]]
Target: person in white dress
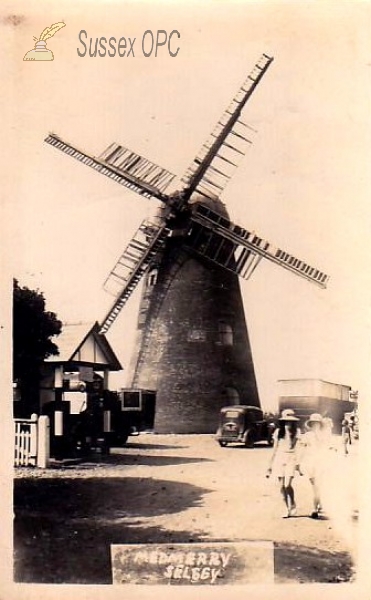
[[284, 458], [314, 444]]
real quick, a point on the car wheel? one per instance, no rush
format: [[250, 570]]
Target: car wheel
[[250, 439], [270, 441], [222, 444]]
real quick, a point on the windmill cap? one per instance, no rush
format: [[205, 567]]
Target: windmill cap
[[288, 415], [315, 418]]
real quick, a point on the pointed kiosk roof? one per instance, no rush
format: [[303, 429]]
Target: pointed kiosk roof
[[81, 344]]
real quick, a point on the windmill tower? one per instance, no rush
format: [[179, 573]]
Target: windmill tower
[[192, 344]]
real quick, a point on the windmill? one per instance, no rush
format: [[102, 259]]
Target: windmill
[[192, 342]]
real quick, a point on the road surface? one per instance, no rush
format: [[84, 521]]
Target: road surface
[[179, 488]]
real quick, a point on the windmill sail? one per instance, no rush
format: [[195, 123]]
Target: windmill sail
[[130, 163], [122, 165], [239, 250], [131, 265], [214, 165]]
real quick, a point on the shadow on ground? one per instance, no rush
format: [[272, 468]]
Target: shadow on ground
[[150, 446], [301, 564], [149, 460], [63, 528]]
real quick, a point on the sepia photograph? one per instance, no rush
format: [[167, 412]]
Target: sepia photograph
[[186, 284]]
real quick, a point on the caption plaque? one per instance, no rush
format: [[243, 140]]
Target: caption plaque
[[210, 563]]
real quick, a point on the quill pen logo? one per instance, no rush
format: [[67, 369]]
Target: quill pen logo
[[41, 52]]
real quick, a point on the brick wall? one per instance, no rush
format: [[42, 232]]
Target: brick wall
[[181, 351]]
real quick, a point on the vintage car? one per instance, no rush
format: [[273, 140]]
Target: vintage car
[[244, 424]]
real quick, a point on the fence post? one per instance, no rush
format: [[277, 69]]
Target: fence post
[[107, 421], [33, 440], [16, 446], [43, 450]]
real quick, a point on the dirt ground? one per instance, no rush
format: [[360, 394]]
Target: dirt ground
[[178, 488]]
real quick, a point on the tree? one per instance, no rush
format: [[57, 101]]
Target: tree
[[33, 328]]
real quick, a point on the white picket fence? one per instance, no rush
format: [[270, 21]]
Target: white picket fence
[[32, 441]]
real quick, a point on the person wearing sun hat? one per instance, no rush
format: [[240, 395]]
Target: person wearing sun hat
[[312, 457], [285, 457]]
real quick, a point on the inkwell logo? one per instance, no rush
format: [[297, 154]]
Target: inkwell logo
[[41, 52]]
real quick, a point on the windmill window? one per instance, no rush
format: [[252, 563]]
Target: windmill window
[[152, 277], [142, 316], [232, 396], [225, 334], [196, 335]]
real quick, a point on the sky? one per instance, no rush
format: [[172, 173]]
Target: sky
[[303, 184]]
